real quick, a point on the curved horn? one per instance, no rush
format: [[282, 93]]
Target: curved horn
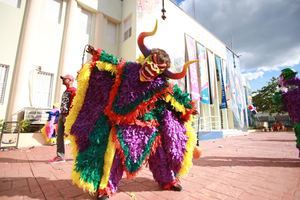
[[181, 74], [146, 52]]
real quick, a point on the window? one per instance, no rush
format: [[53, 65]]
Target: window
[[53, 12], [41, 89], [3, 81], [127, 28]]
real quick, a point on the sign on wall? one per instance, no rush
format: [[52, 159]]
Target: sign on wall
[[220, 75], [212, 72], [193, 71], [204, 82]]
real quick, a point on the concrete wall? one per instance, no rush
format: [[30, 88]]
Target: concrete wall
[[128, 47], [52, 34], [39, 45], [11, 19]]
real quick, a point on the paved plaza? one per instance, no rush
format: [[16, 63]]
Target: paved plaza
[[256, 166]]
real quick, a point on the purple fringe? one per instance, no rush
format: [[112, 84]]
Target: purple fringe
[[96, 99], [173, 135], [292, 103], [136, 138], [116, 173], [293, 81], [159, 167], [132, 88], [292, 99]]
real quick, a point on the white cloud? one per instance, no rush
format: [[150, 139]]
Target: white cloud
[[268, 68], [253, 75], [265, 33]]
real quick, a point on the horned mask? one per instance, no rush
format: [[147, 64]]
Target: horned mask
[[157, 61]]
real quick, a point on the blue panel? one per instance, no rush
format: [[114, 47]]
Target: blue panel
[[209, 135]]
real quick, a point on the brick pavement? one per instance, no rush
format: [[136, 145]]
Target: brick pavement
[[257, 166]]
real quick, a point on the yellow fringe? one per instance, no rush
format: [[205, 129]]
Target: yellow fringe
[[140, 59], [43, 131], [108, 160], [83, 83], [104, 66], [178, 107], [81, 184], [190, 133], [76, 175], [190, 145]]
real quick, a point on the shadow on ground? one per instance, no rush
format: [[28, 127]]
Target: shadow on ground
[[11, 160], [44, 188], [274, 140], [139, 184], [217, 161], [38, 188]]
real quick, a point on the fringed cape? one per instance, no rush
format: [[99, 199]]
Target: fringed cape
[[114, 113]]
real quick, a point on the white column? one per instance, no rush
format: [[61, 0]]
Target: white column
[[68, 30], [19, 95]]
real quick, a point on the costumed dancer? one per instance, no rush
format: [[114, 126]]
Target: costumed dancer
[[289, 97], [126, 114], [50, 129]]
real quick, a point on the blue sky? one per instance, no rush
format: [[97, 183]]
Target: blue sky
[[264, 32], [258, 83]]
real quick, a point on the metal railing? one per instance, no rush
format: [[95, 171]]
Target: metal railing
[[207, 123]]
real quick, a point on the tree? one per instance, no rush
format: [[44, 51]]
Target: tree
[[263, 98]]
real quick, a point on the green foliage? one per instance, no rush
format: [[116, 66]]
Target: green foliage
[[25, 126], [263, 98], [277, 98], [1, 123]]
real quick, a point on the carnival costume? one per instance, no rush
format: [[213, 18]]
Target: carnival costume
[[126, 114], [289, 97], [50, 129]]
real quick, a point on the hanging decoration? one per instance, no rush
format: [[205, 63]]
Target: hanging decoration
[[163, 10]]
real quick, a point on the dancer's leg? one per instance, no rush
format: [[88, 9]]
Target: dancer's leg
[[161, 171], [116, 173]]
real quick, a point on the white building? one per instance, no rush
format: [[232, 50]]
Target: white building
[[41, 40]]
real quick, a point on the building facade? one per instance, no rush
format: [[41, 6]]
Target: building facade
[[42, 40]]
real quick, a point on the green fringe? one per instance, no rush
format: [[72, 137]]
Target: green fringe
[[297, 133], [156, 113], [182, 97], [148, 116], [130, 165], [110, 58], [89, 163]]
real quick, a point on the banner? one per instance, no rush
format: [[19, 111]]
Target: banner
[[211, 71], [236, 100], [204, 82], [220, 75], [193, 71]]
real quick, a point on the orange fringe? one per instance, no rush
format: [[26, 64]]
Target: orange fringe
[[140, 110]]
